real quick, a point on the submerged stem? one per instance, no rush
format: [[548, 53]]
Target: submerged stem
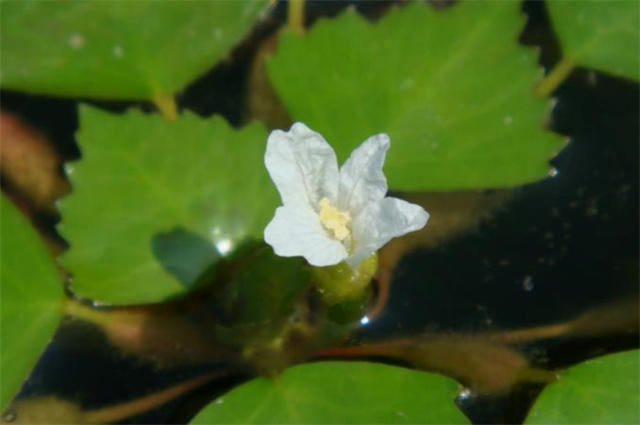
[[341, 283], [118, 412]]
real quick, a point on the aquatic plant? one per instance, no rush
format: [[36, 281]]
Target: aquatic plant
[[171, 247]]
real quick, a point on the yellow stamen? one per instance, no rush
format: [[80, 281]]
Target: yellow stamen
[[334, 220]]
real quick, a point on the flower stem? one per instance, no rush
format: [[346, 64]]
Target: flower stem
[[295, 16], [552, 80], [341, 283]]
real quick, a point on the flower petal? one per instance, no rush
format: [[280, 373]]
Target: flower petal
[[297, 231], [382, 221], [302, 165], [361, 177]]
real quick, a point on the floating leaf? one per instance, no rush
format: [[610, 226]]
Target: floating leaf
[[452, 88], [117, 50], [604, 390], [604, 35], [339, 392], [155, 203], [31, 302]]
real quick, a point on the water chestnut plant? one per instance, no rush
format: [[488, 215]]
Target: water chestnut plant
[[234, 272]]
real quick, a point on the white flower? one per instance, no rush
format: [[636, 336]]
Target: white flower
[[329, 214]]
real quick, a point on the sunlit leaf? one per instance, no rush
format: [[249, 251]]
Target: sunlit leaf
[[30, 301], [604, 35], [604, 390], [155, 203], [119, 49], [339, 392], [452, 88]]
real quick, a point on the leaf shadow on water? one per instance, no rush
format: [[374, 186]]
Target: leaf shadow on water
[[187, 256]]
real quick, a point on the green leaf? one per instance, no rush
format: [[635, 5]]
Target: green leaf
[[604, 35], [30, 301], [155, 203], [117, 50], [452, 88], [604, 390], [339, 392]]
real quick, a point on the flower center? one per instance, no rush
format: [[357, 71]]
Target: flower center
[[334, 220]]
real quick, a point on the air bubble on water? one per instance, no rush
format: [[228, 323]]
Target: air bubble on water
[[68, 169], [77, 41], [224, 246], [527, 283], [364, 320], [219, 401], [118, 51], [464, 395], [98, 304], [553, 172]]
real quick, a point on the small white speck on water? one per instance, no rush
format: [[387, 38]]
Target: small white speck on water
[[118, 51], [68, 169], [464, 394], [77, 41], [401, 414], [592, 208], [219, 401], [507, 120], [553, 172], [527, 283]]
